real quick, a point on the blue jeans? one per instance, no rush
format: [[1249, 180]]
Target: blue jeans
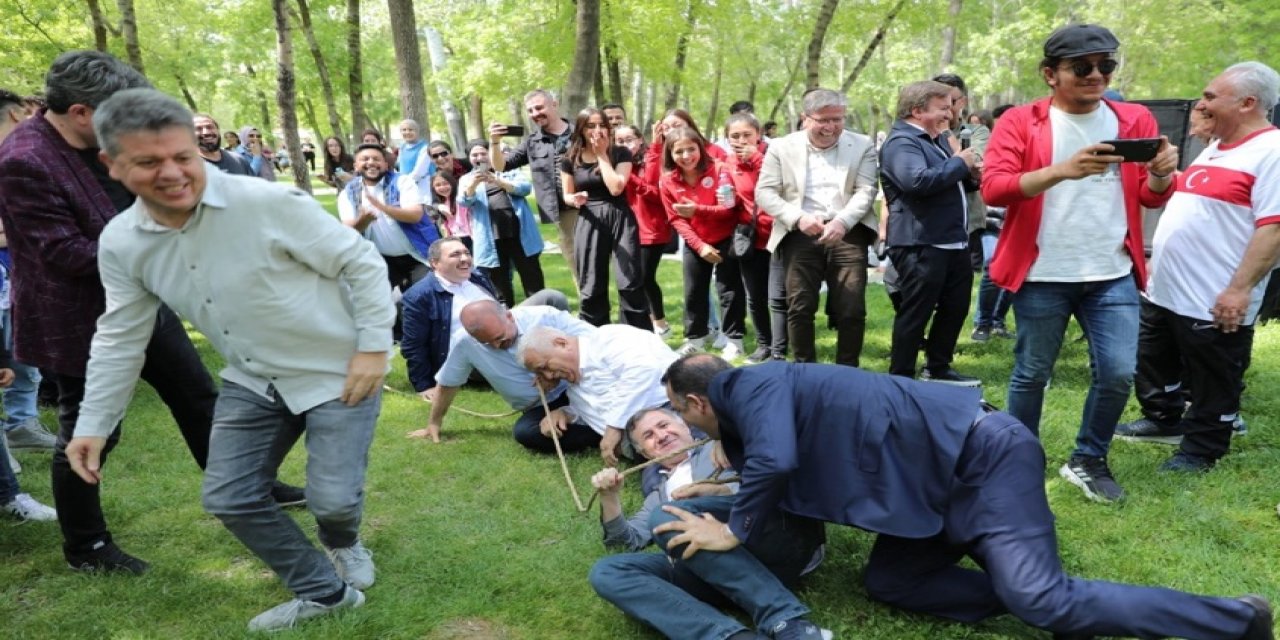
[[19, 398], [8, 481], [679, 598], [993, 302], [1108, 313], [251, 435]]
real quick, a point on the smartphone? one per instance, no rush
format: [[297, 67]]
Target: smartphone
[[1135, 149], [482, 167], [515, 130]]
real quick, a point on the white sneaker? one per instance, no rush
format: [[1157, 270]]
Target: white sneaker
[[733, 350], [354, 565], [27, 508], [288, 614], [720, 341], [661, 330], [13, 462], [692, 345]]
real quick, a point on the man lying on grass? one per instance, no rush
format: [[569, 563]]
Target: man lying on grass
[[645, 585], [298, 306]]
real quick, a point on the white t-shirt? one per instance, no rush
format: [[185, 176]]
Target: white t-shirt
[[464, 293], [680, 476], [384, 232], [824, 194], [1083, 226], [1227, 193]]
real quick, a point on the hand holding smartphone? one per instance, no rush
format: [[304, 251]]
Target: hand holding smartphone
[[1135, 149]]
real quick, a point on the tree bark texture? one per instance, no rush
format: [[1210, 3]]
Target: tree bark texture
[[322, 69], [286, 96], [948, 56], [682, 55], [355, 73], [129, 27], [871, 46], [586, 57], [404, 37], [99, 25], [813, 61]]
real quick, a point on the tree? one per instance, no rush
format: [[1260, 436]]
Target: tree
[[404, 36], [286, 95], [813, 61], [326, 86], [682, 57], [129, 27], [355, 72], [871, 46], [99, 25], [586, 57], [949, 36]]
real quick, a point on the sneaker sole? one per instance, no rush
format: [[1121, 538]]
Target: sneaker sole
[[970, 385], [1071, 477], [1171, 440]]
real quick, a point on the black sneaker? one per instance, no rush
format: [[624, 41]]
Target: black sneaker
[[1001, 331], [761, 354], [797, 629], [981, 333], [950, 376], [287, 495], [1260, 627], [747, 634], [1188, 462], [1093, 476], [109, 557], [1148, 430]]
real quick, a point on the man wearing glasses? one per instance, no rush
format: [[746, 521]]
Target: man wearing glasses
[[819, 184], [1074, 237]]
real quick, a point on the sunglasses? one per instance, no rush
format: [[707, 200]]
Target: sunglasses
[[1082, 68], [438, 155]]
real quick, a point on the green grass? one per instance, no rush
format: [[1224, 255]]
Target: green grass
[[475, 538]]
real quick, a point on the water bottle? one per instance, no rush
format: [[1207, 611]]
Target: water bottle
[[724, 192]]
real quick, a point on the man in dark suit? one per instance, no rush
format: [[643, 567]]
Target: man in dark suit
[[924, 179], [938, 477]]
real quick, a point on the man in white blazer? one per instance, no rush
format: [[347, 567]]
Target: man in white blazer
[[820, 186]]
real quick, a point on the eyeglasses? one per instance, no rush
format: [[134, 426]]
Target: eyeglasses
[[827, 121], [440, 154], [1082, 68]]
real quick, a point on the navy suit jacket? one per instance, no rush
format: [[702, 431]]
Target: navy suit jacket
[[920, 179], [843, 445], [426, 317]]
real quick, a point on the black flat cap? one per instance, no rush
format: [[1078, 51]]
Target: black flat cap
[[1076, 40]]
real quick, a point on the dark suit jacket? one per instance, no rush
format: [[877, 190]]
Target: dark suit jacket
[[427, 315], [843, 445], [920, 179], [53, 211]]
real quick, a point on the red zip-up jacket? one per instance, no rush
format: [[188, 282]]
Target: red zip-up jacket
[[745, 174], [646, 201], [711, 223], [1023, 142]]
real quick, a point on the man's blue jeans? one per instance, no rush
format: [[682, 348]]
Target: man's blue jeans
[[1108, 313], [251, 435], [19, 398], [679, 598]]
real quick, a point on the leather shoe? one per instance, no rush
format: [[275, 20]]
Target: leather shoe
[[1260, 627]]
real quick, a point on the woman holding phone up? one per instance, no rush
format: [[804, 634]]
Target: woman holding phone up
[[593, 178], [504, 231]]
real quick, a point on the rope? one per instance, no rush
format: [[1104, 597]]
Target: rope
[[455, 407], [650, 463], [564, 466]]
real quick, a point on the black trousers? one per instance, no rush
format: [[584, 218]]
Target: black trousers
[[778, 305], [403, 272], [755, 281], [697, 286], [844, 268], [1175, 352], [650, 259], [933, 284], [174, 370], [601, 233], [511, 254]]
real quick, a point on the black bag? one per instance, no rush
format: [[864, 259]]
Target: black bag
[[743, 243]]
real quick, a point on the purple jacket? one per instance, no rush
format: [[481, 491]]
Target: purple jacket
[[53, 211]]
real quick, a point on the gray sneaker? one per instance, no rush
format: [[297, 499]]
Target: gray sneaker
[[285, 616], [24, 507], [1148, 430], [354, 565], [1093, 476], [30, 435]]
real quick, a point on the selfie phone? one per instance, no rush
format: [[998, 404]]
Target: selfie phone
[[482, 167], [515, 130], [1135, 149]]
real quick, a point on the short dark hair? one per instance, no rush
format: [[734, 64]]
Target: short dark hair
[[634, 420], [8, 97], [366, 146], [614, 105], [740, 106], [440, 143], [477, 142], [88, 78], [999, 111], [952, 80], [692, 374], [436, 250]]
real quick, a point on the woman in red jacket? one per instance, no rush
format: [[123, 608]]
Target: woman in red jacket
[[651, 217], [689, 196], [743, 132]]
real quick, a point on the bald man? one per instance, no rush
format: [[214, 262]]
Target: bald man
[[486, 343]]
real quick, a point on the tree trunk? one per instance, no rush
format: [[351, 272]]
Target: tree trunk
[[516, 110], [129, 26], [477, 117], [682, 53], [309, 112], [613, 71], [264, 109], [949, 36], [186, 93], [871, 46], [651, 102], [786, 89], [586, 57], [404, 36], [326, 85], [641, 116], [452, 116], [286, 97], [99, 25], [597, 84], [355, 73], [813, 61], [710, 126]]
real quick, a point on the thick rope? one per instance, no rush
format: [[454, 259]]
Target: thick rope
[[477, 414], [555, 438], [650, 463]]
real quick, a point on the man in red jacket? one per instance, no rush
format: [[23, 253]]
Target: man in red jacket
[[1073, 236]]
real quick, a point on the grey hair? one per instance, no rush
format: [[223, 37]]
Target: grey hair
[[537, 339], [818, 99], [545, 93], [918, 94], [436, 250], [416, 127], [1256, 79], [133, 110], [635, 419], [87, 78]]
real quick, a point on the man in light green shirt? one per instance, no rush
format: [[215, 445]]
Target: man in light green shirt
[[299, 307]]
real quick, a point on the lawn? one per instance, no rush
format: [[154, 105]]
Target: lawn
[[476, 538]]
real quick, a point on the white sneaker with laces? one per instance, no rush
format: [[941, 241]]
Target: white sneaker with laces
[[27, 508], [733, 350], [290, 613], [354, 565], [692, 345], [720, 341]]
